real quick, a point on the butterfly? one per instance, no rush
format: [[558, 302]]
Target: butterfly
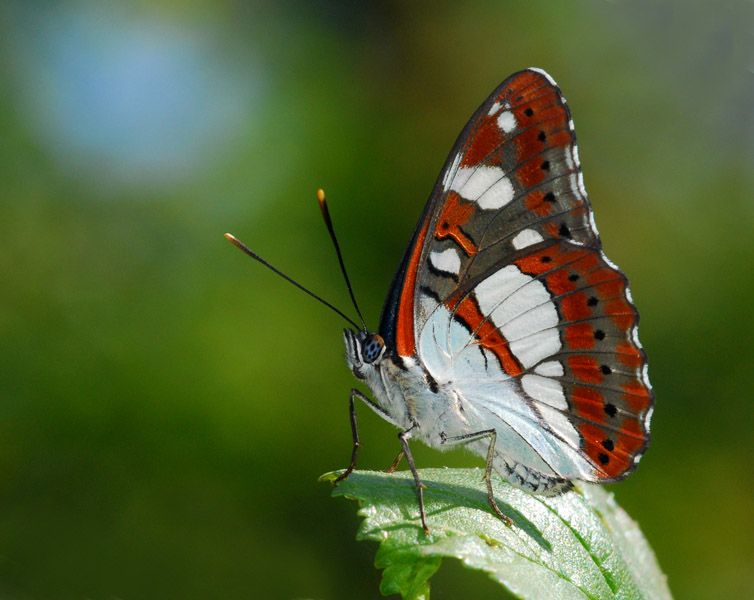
[[506, 328]]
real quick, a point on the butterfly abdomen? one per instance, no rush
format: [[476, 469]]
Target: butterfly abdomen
[[531, 480]]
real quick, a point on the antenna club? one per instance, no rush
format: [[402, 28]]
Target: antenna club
[[321, 199], [236, 242]]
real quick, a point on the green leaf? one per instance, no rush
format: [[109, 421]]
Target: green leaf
[[577, 545]]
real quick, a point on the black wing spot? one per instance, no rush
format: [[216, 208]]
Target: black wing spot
[[546, 259], [545, 166], [599, 334], [608, 445], [606, 369], [592, 301], [434, 388], [564, 231], [550, 197], [604, 458], [529, 112], [610, 409], [573, 277], [542, 136]]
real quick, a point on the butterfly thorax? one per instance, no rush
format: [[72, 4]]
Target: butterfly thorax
[[406, 394]]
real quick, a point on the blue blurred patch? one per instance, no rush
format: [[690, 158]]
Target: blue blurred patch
[[130, 98]]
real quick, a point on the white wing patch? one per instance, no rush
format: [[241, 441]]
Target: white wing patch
[[560, 424], [487, 186], [494, 108], [527, 237], [536, 346], [500, 194], [551, 402], [545, 390], [552, 368], [472, 182], [526, 315], [446, 261], [506, 121]]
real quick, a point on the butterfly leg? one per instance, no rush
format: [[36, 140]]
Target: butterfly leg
[[487, 478], [355, 428], [394, 465], [404, 436]]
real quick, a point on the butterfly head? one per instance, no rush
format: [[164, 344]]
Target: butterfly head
[[364, 351]]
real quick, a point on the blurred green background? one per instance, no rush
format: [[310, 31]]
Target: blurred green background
[[166, 405]]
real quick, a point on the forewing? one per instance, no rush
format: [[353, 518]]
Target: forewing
[[511, 180], [508, 250]]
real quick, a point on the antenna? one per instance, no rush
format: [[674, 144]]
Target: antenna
[[328, 222], [244, 248]]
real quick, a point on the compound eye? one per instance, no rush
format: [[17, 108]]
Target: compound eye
[[372, 348]]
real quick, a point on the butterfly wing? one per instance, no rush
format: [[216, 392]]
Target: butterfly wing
[[505, 293]]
